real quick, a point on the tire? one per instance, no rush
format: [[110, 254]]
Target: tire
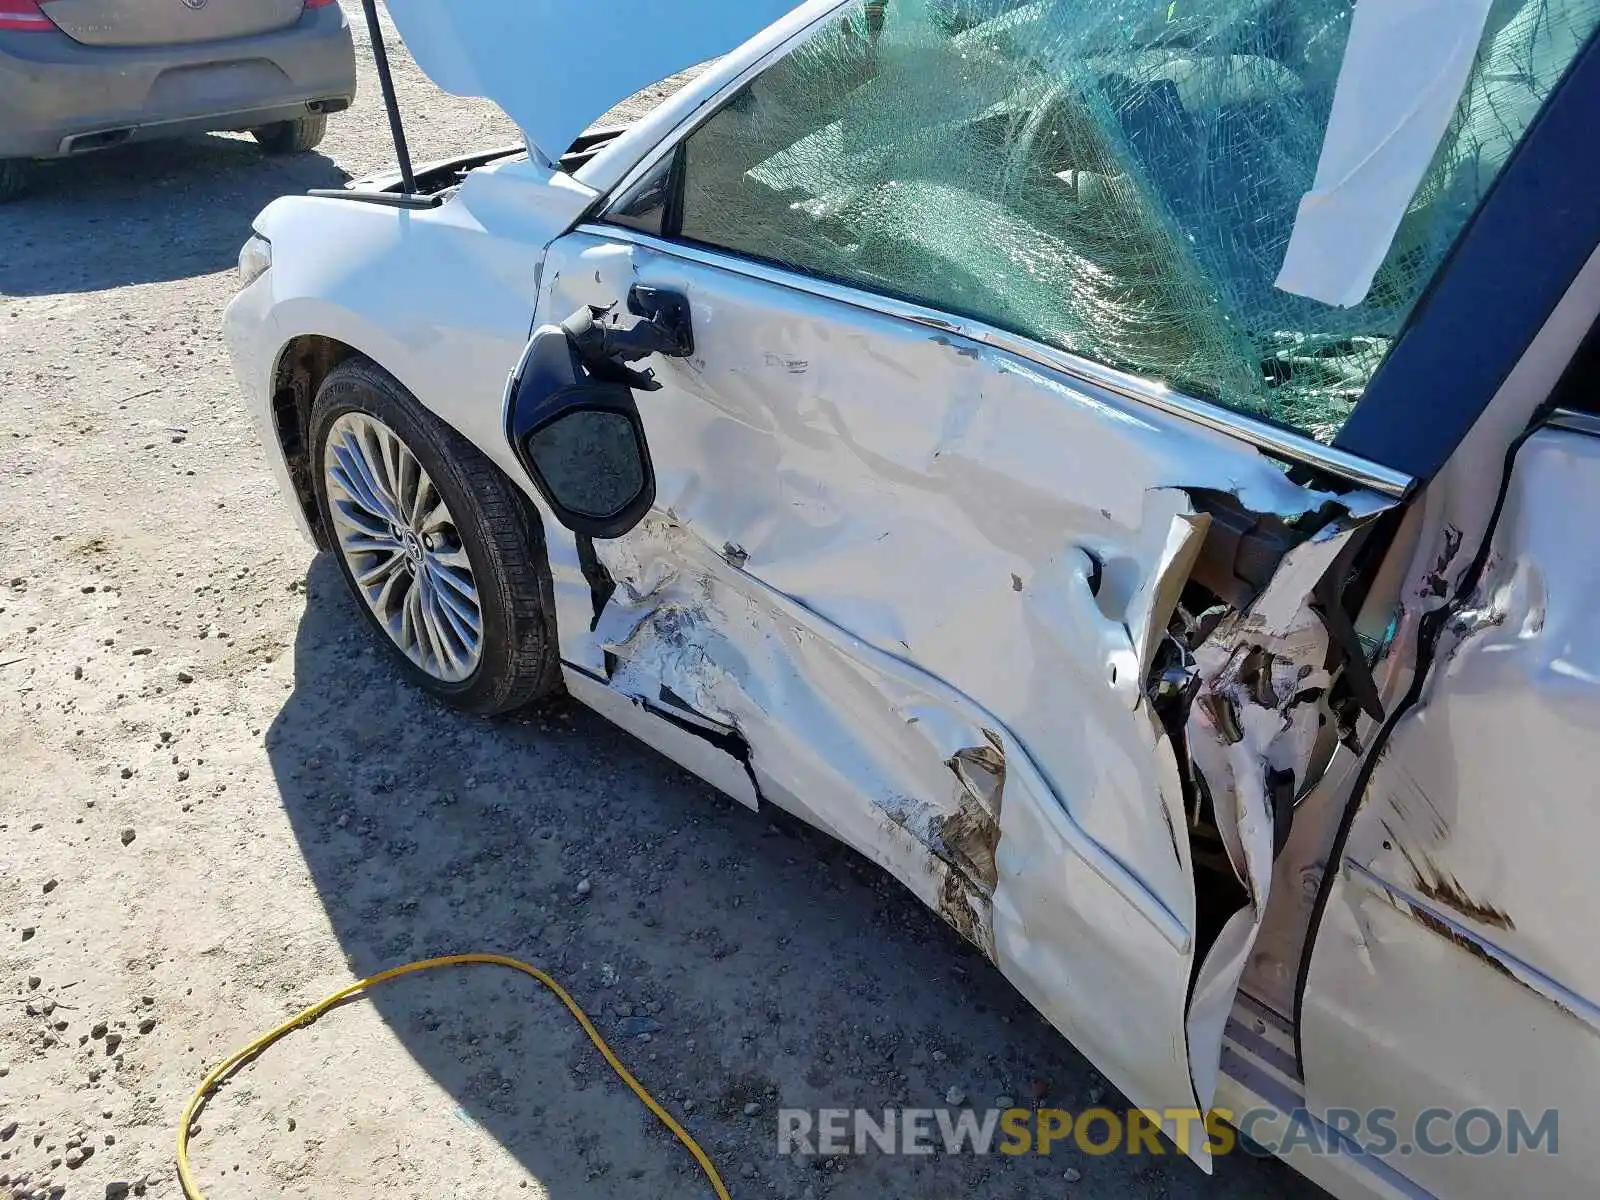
[[15, 175], [292, 137], [490, 534]]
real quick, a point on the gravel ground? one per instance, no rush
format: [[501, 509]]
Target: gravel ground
[[218, 803]]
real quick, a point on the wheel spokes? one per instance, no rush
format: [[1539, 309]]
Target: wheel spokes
[[402, 548], [380, 572], [359, 481], [461, 611]]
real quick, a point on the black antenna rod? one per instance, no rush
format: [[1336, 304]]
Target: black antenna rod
[[408, 181]]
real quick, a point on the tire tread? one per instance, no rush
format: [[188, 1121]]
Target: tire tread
[[514, 536], [292, 137]]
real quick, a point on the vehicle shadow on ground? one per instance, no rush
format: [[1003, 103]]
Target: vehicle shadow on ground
[[144, 213], [732, 958]]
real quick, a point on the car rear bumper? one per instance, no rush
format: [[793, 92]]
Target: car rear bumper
[[60, 97]]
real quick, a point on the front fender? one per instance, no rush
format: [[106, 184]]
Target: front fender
[[441, 298]]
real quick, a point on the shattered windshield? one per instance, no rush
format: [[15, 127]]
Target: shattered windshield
[[1117, 179]]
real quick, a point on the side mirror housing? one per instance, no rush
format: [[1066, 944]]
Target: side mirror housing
[[572, 417], [579, 438]]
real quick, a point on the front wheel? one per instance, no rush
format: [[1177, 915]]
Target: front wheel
[[444, 557], [292, 137]]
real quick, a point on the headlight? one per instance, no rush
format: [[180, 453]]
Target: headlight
[[255, 256]]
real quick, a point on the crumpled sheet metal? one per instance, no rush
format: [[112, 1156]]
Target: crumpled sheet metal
[[1504, 714], [911, 773], [875, 556], [1469, 872], [1262, 709]]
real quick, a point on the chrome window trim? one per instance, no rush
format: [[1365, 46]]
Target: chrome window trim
[[1575, 422], [1274, 440]]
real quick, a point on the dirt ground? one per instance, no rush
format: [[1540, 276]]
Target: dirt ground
[[218, 802]]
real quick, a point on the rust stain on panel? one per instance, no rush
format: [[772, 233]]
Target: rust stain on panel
[[968, 911], [1445, 890], [1475, 948], [968, 838], [1478, 951]]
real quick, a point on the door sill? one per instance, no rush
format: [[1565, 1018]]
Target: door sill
[[1260, 1087]]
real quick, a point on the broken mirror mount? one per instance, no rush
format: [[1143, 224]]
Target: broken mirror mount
[[572, 417], [606, 347]]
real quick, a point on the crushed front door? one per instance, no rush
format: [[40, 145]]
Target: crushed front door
[[943, 603], [1054, 644]]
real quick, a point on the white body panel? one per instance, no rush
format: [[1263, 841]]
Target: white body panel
[[1458, 937], [870, 560], [441, 298]]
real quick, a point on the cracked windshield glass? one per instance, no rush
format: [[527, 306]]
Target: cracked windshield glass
[[1118, 179]]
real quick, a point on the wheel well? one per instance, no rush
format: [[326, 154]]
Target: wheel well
[[304, 364]]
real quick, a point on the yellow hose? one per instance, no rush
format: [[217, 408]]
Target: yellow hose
[[191, 1189]]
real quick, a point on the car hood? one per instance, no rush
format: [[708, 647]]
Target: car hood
[[555, 66]]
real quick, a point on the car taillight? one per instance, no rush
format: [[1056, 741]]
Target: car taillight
[[24, 15], [319, 3]]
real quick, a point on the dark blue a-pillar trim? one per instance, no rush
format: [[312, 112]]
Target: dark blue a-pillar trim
[[1495, 290]]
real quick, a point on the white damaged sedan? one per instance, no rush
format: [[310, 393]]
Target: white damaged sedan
[[1127, 469]]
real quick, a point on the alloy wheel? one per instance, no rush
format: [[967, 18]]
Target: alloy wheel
[[402, 547]]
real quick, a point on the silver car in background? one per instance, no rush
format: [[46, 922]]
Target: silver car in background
[[82, 75]]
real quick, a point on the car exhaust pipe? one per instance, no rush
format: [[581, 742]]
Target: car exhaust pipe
[[100, 139]]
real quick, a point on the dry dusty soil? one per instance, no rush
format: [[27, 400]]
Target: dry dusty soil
[[218, 802]]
